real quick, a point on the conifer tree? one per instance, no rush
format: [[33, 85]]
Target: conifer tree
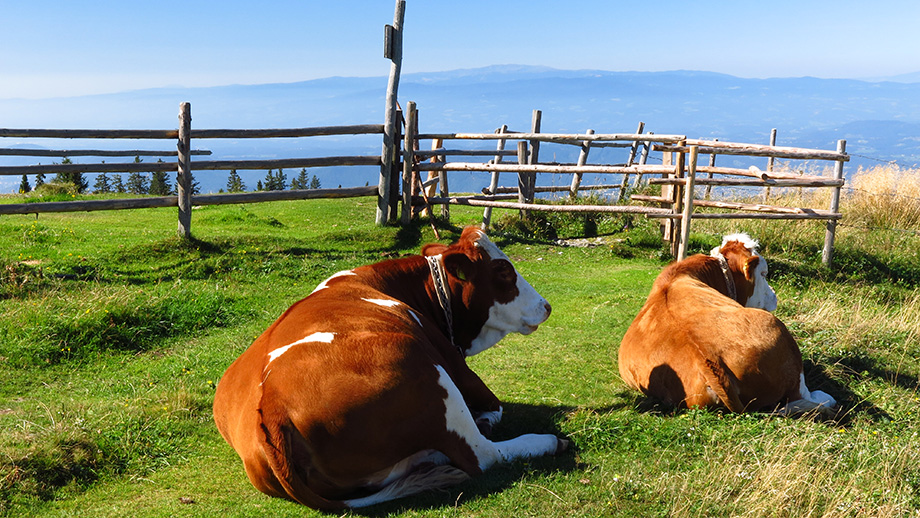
[[102, 185], [74, 178], [159, 184], [235, 183], [24, 186], [118, 184], [39, 180], [314, 182], [300, 181]]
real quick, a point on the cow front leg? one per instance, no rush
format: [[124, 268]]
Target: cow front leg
[[487, 420], [482, 403], [486, 453]]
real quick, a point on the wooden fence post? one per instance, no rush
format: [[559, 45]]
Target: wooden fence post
[[534, 157], [770, 161], [493, 182], [582, 160], [393, 51], [183, 176], [712, 163], [687, 213], [629, 162], [827, 255], [522, 178], [408, 161], [643, 159], [677, 199]]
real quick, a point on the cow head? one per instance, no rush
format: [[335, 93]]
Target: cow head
[[489, 299], [748, 270]]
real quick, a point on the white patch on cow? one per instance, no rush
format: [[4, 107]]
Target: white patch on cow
[[405, 466], [460, 421], [387, 303], [522, 315], [763, 296], [315, 337], [810, 401], [323, 285]]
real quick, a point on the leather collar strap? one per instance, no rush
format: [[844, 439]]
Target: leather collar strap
[[439, 276], [729, 280]]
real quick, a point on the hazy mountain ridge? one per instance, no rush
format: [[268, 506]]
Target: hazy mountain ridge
[[880, 120]]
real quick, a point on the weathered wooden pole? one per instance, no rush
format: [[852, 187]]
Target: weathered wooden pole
[[528, 181], [522, 178], [493, 182], [184, 174], [629, 161], [393, 52], [827, 255], [408, 161], [582, 160], [687, 214], [770, 161], [712, 163], [677, 198]]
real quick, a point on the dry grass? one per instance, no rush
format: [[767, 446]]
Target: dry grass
[[798, 475], [886, 196]]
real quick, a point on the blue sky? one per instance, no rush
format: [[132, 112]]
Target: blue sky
[[57, 48]]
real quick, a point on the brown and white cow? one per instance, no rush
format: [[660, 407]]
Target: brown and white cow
[[705, 338], [360, 393]]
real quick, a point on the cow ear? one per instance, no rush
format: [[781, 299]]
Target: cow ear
[[749, 266], [459, 265], [433, 249]]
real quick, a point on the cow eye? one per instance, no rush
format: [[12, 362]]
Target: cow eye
[[504, 272]]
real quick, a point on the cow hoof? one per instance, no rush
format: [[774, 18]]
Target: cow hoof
[[561, 446]]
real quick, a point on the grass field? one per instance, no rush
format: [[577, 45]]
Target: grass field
[[113, 334]]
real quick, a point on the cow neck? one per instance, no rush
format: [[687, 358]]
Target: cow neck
[[439, 277], [727, 273]]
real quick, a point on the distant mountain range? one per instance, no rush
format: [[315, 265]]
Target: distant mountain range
[[879, 119]]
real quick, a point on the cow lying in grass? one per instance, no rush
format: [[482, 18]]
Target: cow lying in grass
[[705, 338], [360, 393]]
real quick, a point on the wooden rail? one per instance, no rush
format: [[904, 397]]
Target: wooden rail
[[183, 165], [173, 201], [679, 173]]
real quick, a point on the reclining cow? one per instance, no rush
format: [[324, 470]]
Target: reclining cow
[[703, 339], [360, 393]]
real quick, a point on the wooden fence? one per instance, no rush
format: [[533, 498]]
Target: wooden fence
[[678, 174], [183, 165]]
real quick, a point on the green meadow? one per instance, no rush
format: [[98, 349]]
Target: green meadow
[[114, 334]]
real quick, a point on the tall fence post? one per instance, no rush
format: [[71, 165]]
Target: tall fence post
[[392, 51], [687, 214], [183, 176], [408, 161], [493, 182], [827, 255], [770, 161], [522, 177], [582, 160], [629, 161]]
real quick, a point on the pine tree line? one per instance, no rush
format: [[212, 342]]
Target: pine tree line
[[273, 181], [158, 184]]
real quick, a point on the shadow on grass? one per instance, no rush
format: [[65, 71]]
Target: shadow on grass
[[859, 367], [518, 419], [849, 404]]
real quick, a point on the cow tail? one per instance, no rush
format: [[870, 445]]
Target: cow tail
[[721, 385], [718, 380], [276, 446]]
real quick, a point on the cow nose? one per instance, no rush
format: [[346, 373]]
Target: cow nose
[[548, 308]]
